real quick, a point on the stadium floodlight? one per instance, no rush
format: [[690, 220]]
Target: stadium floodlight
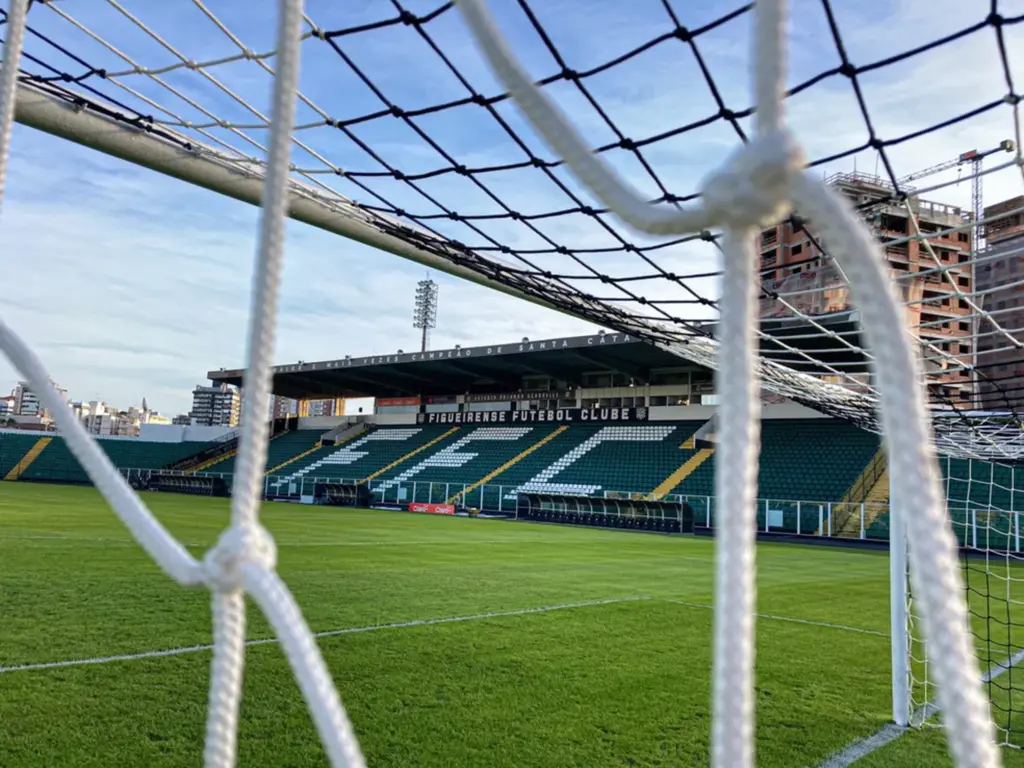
[[424, 315], [845, 359]]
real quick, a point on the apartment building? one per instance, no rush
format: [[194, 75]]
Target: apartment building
[[283, 406], [218, 406], [999, 287], [327, 407]]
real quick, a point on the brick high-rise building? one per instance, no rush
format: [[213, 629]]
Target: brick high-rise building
[[999, 283], [790, 263]]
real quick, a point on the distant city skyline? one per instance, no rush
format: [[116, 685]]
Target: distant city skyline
[[23, 409]]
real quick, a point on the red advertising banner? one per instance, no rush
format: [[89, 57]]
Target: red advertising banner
[[432, 509]]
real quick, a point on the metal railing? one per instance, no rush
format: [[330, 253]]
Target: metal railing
[[850, 504], [977, 527]]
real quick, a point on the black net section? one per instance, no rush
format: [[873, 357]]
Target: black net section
[[984, 501], [401, 126], [993, 572]]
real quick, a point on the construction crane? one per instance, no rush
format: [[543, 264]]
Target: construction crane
[[975, 159]]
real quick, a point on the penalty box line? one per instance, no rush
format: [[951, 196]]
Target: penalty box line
[[157, 654], [183, 650]]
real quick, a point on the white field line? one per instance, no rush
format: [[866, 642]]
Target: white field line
[[789, 619], [329, 633], [859, 748], [855, 750], [280, 544]]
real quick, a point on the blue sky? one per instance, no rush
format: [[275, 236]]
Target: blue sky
[[130, 284]]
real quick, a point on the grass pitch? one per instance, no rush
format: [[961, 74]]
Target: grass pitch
[[454, 642]]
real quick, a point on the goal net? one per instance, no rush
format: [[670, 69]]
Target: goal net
[[984, 500], [772, 198]]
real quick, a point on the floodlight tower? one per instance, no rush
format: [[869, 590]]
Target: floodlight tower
[[424, 316]]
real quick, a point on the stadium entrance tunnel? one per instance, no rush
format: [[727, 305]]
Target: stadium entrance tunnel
[[637, 514]]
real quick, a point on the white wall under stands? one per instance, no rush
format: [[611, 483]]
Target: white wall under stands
[[181, 433]]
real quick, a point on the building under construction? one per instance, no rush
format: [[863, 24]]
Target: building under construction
[[800, 280]]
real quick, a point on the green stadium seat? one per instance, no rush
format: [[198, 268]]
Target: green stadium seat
[[282, 448], [13, 447], [476, 452], [358, 459], [57, 464]]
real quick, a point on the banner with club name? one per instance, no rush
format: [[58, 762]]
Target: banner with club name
[[524, 394], [558, 416]]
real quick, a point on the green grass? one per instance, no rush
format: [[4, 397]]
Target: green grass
[[615, 684]]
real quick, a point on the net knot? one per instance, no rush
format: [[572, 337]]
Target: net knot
[[752, 188], [238, 545]]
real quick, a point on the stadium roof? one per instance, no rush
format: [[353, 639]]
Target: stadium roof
[[495, 368]]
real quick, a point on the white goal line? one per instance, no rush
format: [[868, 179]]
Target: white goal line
[[189, 649], [859, 748]]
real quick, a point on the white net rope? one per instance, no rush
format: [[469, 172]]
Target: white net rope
[[244, 559], [759, 184]]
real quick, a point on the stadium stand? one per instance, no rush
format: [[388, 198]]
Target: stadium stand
[[500, 492], [460, 464], [139, 454], [14, 450], [282, 448], [367, 456], [223, 463], [801, 460], [632, 458], [582, 459], [463, 496], [815, 459], [54, 462], [700, 481]]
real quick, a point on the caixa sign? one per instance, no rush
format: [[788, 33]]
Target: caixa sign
[[432, 509]]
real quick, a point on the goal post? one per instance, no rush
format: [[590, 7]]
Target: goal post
[[985, 502], [899, 603]]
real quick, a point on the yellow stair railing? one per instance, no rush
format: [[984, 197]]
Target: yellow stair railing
[[514, 460], [31, 455], [224, 457], [210, 462], [302, 455], [872, 485], [409, 455], [683, 471]]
